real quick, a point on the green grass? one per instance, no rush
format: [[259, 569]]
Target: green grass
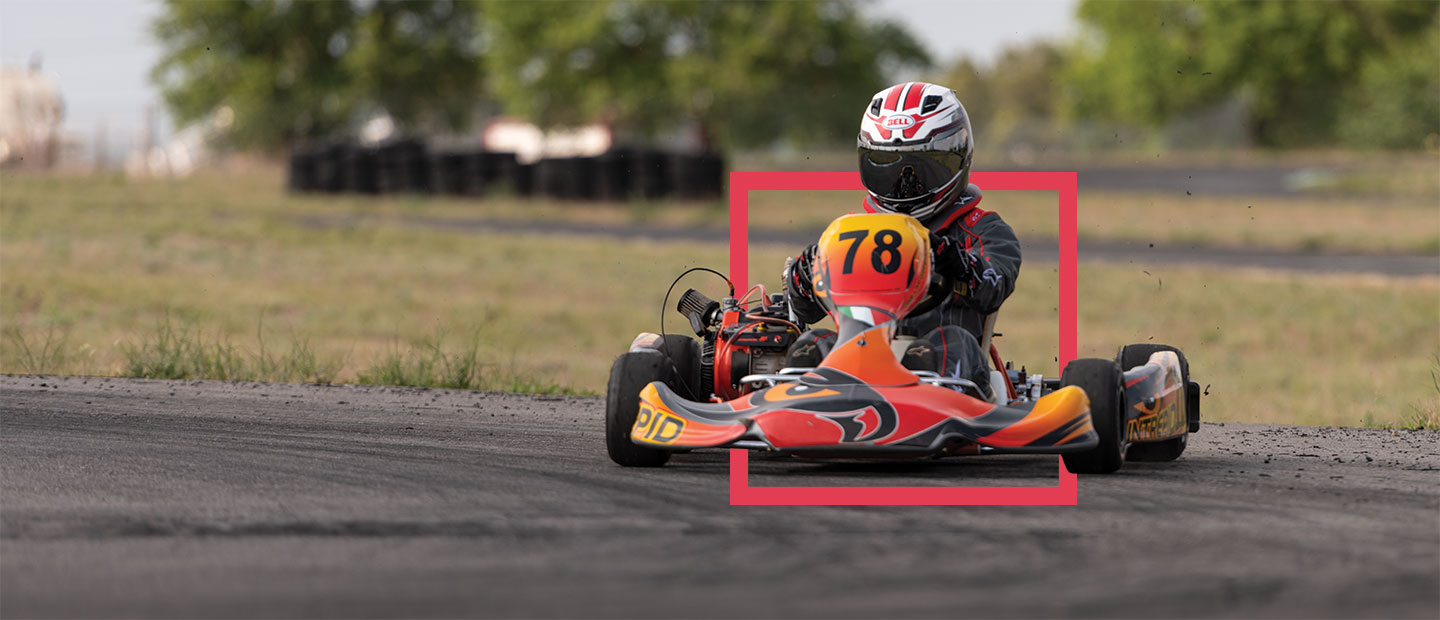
[[1406, 221], [1277, 347], [1307, 224], [173, 351], [221, 277], [104, 262], [437, 362], [1376, 202], [1425, 414], [44, 351]]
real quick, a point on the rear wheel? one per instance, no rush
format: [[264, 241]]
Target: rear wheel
[[1104, 385], [1155, 451], [630, 374], [1133, 355]]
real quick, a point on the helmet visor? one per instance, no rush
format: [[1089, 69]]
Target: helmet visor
[[904, 177]]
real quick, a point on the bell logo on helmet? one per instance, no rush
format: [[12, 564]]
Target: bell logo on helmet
[[898, 121]]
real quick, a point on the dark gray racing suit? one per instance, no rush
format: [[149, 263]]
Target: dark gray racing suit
[[953, 328]]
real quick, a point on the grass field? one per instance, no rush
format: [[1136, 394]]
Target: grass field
[[1406, 222], [1344, 224], [94, 271]]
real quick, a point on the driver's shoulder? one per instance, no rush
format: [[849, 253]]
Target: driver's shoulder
[[974, 221]]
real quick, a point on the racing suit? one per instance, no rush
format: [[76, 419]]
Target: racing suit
[[973, 246]]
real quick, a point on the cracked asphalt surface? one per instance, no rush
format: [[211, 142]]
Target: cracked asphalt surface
[[131, 498]]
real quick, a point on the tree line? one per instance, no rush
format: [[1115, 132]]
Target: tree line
[[750, 73]]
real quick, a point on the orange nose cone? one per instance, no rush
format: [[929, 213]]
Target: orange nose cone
[[1066, 409], [879, 261]]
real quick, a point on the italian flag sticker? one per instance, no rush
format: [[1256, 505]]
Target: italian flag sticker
[[859, 313]]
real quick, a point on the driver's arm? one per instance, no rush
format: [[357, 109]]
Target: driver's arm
[[993, 254], [799, 291]]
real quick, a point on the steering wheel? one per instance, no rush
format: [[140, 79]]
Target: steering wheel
[[941, 286]]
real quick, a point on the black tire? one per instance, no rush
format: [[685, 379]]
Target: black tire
[[1157, 451], [630, 374], [684, 353], [1104, 384], [1134, 355]]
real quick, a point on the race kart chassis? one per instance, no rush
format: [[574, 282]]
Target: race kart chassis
[[862, 402]]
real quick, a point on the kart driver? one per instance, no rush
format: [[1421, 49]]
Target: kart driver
[[915, 149]]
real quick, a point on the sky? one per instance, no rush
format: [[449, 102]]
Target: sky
[[977, 28], [99, 51]]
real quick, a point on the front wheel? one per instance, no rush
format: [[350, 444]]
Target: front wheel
[[630, 374], [684, 353], [1104, 385]]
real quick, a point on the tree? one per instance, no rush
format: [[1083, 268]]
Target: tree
[[1149, 66], [1290, 61], [418, 61], [1020, 90], [750, 73], [299, 70], [1396, 103]]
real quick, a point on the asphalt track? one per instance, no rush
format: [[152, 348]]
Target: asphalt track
[[135, 498]]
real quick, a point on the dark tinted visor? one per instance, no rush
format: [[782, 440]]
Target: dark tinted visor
[[906, 176]]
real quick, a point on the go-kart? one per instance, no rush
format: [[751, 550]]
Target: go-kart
[[672, 393]]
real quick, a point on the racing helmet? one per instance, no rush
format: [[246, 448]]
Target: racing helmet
[[915, 147]]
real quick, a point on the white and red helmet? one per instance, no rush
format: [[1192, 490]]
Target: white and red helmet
[[915, 149]]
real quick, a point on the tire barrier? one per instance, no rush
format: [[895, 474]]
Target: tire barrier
[[650, 175], [409, 166], [549, 176], [448, 173], [300, 176], [612, 174], [316, 168], [695, 176], [402, 167], [359, 170], [504, 175]]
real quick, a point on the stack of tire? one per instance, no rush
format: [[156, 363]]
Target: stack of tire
[[402, 167], [451, 172], [695, 176], [613, 176], [650, 175], [359, 169], [317, 167], [409, 166], [504, 174]]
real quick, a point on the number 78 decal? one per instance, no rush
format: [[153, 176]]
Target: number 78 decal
[[885, 258]]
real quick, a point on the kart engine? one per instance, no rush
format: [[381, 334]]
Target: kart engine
[[736, 341]]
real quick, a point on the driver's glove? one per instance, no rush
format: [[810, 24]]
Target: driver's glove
[[800, 290], [952, 260]]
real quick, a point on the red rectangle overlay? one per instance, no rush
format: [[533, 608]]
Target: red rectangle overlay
[[1065, 492]]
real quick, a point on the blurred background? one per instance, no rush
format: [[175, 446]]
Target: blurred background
[[493, 195]]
